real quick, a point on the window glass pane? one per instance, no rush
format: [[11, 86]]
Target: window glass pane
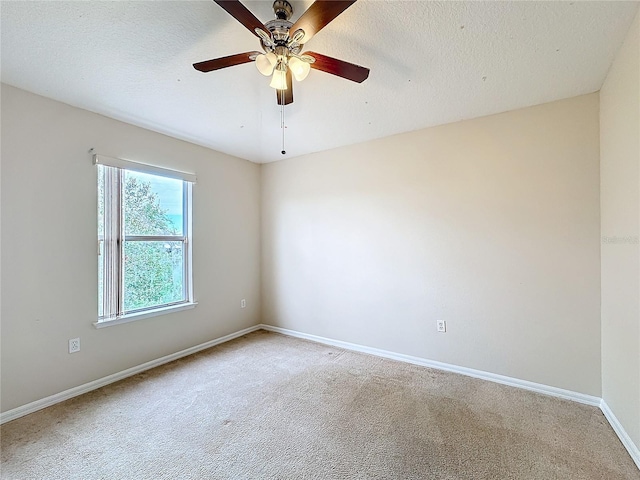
[[152, 205], [153, 274]]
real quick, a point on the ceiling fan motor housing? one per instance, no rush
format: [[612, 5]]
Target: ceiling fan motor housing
[[279, 30], [280, 26]]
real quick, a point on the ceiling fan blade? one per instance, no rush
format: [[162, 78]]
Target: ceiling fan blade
[[238, 11], [343, 69], [224, 62], [318, 16], [285, 97]]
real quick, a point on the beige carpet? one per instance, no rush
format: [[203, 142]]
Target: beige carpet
[[269, 406]]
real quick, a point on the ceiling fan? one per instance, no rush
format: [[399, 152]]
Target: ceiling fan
[[283, 41]]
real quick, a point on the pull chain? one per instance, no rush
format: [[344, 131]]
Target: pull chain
[[282, 125]]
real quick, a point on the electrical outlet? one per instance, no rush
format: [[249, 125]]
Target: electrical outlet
[[441, 326], [74, 345], [243, 303]]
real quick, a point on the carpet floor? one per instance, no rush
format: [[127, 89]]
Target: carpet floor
[[267, 406]]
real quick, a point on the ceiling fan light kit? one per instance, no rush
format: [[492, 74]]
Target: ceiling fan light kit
[[300, 68], [266, 62], [279, 79]]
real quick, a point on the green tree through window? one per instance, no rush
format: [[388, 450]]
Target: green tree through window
[[152, 269]]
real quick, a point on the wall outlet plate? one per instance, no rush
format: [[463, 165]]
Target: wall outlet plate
[[441, 326], [243, 303], [74, 345]]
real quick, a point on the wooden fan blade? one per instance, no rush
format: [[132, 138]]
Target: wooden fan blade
[[343, 69], [287, 98], [224, 62], [238, 11], [318, 16]]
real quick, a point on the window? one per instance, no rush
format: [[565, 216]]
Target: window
[[144, 240]]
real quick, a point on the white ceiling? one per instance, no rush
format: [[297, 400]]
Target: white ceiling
[[431, 63]]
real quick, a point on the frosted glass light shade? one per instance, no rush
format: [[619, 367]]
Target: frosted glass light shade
[[265, 63], [279, 80], [299, 68]]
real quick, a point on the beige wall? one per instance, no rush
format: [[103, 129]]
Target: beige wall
[[49, 264], [491, 224], [620, 206]]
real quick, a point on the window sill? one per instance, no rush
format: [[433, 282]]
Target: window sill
[[139, 316]]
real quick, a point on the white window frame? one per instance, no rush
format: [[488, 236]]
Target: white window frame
[[111, 244]]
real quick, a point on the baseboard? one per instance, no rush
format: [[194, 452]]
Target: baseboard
[[101, 382], [470, 372], [621, 432]]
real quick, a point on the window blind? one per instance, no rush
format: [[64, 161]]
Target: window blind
[[143, 168]]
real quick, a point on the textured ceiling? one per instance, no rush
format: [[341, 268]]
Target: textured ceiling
[[431, 63]]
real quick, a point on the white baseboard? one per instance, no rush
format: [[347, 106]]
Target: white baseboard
[[101, 382], [621, 432], [470, 372]]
